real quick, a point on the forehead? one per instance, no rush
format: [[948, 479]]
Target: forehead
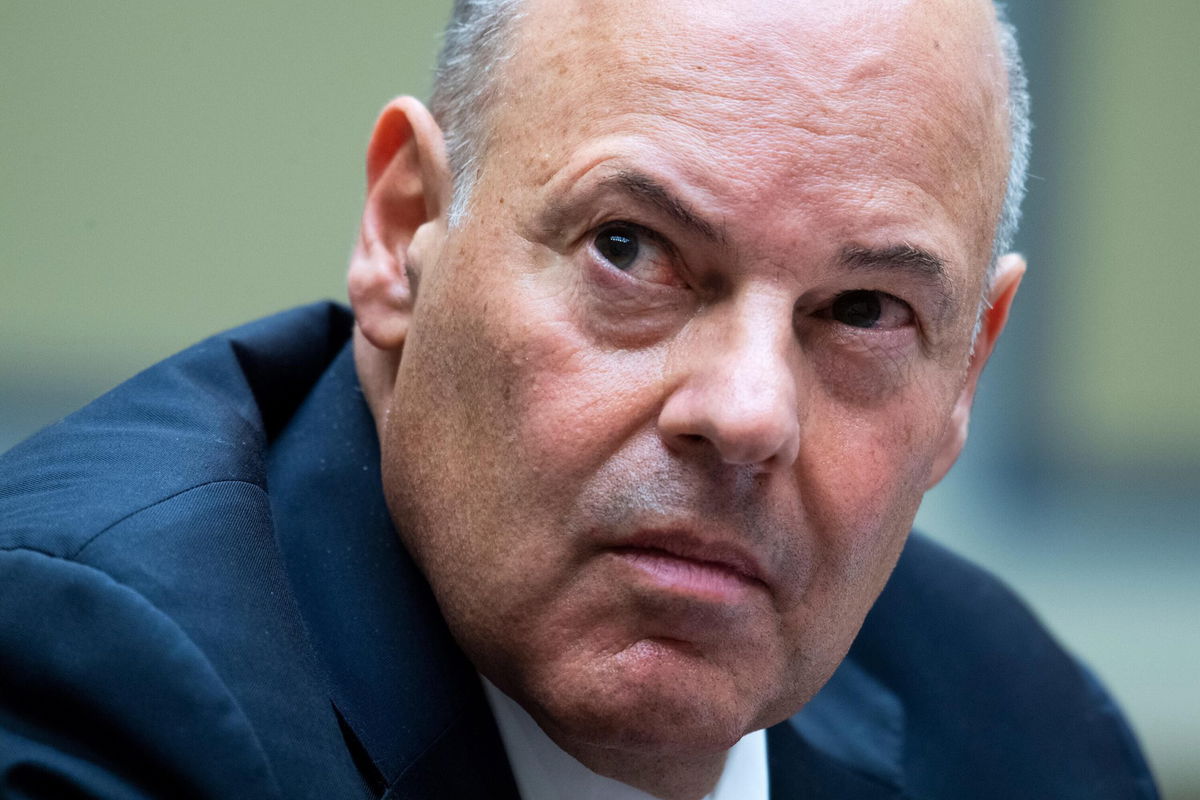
[[767, 106]]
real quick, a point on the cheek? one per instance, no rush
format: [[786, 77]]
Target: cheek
[[861, 477], [864, 471], [573, 397], [579, 404]]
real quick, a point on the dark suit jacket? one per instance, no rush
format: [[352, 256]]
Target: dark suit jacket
[[202, 596]]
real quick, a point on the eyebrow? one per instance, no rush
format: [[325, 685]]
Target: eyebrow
[[903, 257], [651, 191]]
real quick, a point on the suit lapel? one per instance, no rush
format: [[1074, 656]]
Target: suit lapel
[[466, 761], [847, 742], [798, 771], [408, 702]]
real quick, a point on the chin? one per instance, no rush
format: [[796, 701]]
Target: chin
[[652, 697]]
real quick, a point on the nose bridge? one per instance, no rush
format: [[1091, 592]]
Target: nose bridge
[[735, 385]]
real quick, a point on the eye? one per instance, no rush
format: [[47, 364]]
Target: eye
[[638, 252], [619, 245], [863, 308]]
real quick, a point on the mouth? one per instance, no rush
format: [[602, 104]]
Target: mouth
[[683, 563]]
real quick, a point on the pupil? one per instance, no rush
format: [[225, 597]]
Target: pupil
[[619, 247], [860, 309]]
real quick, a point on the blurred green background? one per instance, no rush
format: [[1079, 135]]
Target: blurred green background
[[171, 169]]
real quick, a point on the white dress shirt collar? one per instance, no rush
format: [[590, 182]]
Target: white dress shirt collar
[[544, 771]]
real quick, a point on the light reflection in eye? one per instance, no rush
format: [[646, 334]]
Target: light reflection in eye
[[618, 245]]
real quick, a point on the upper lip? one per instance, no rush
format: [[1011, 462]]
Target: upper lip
[[690, 545]]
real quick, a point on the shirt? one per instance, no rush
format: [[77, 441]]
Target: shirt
[[544, 771]]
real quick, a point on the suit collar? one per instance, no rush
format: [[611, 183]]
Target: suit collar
[[801, 771], [406, 694], [858, 722]]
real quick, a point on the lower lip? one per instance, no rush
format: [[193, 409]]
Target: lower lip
[[686, 576]]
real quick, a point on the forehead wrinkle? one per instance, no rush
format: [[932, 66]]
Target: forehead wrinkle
[[715, 56], [951, 126], [716, 52]]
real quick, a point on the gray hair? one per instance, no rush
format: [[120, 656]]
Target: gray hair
[[1020, 126], [466, 85], [474, 48]]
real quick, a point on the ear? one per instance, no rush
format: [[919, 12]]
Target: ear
[[1009, 271], [408, 189]]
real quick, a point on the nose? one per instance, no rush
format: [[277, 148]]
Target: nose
[[735, 391]]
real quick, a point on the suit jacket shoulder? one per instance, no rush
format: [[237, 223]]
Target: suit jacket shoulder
[[149, 641], [954, 689]]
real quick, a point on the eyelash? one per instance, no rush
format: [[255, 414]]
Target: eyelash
[[636, 227]]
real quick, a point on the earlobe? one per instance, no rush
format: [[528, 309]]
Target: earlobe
[[1009, 271], [408, 188]]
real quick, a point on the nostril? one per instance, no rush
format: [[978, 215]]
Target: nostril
[[691, 443]]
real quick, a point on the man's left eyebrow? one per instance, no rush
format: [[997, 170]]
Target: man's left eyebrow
[[903, 257]]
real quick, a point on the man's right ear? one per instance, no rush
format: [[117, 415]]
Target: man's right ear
[[408, 190]]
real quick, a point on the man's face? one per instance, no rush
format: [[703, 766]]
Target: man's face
[[673, 391]]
